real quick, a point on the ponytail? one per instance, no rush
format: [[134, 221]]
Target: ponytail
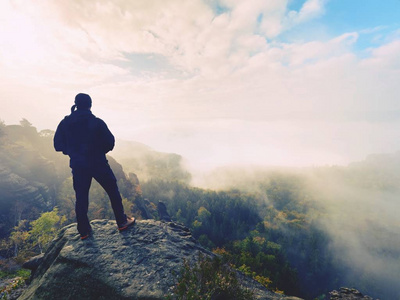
[[73, 108]]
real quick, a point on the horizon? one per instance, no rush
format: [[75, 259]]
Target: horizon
[[120, 152], [287, 83]]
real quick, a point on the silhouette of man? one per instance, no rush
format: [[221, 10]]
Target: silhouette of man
[[86, 140]]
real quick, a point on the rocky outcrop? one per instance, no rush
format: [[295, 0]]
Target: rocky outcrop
[[33, 264], [348, 294], [142, 262], [17, 197], [162, 212], [14, 187]]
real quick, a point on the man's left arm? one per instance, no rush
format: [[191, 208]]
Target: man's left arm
[[108, 140]]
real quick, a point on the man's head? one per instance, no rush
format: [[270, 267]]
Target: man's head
[[83, 101]]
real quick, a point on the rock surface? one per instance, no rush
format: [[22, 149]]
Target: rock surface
[[348, 294], [33, 264], [142, 262], [14, 188], [162, 212]]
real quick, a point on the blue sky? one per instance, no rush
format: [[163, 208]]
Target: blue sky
[[376, 21], [251, 82], [356, 15], [353, 15]]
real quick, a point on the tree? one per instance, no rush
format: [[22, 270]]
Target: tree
[[2, 131], [45, 228], [19, 236], [25, 123], [209, 278], [46, 133], [203, 214]]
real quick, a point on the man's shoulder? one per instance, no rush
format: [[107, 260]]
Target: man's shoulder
[[64, 120], [76, 115], [99, 121]]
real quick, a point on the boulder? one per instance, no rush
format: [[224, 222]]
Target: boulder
[[34, 262], [345, 293], [162, 212], [142, 262]]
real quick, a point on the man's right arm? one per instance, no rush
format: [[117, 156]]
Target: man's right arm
[[60, 141]]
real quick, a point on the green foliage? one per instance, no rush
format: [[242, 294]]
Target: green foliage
[[262, 260], [203, 214], [207, 279], [221, 216], [12, 280], [45, 228], [227, 220], [28, 237], [12, 285], [23, 273], [19, 241]]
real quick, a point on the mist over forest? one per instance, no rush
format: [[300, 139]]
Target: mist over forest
[[357, 207], [303, 231]]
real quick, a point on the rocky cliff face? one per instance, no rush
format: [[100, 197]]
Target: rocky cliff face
[[17, 195], [143, 262]]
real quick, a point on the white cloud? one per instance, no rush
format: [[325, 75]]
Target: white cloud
[[386, 56], [310, 9], [228, 73], [189, 34]]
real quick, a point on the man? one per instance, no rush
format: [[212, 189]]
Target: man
[[87, 139]]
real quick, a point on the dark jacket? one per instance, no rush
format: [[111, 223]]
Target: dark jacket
[[85, 138]]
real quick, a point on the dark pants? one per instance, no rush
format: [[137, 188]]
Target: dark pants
[[82, 179]]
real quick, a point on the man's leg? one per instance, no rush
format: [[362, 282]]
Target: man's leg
[[105, 177], [82, 180]]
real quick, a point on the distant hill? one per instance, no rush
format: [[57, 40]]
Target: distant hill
[[148, 164]]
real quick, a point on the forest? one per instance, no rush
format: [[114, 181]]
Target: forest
[[302, 232]]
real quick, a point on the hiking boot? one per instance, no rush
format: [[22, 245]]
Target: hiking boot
[[86, 235], [129, 221]]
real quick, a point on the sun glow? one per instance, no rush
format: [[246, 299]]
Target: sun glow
[[19, 39]]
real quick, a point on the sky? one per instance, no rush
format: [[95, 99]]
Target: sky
[[261, 82]]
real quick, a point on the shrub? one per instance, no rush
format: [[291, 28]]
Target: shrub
[[207, 279]]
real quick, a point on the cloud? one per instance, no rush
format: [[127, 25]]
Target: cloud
[[362, 222], [78, 33], [385, 57], [310, 9], [208, 44], [221, 63]]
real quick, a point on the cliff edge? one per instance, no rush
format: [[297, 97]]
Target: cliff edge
[[142, 262]]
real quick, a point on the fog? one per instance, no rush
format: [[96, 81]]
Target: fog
[[359, 210], [364, 227]]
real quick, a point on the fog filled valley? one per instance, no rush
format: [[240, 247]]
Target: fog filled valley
[[302, 231]]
